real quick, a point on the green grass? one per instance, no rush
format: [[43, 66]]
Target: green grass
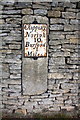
[[52, 117]]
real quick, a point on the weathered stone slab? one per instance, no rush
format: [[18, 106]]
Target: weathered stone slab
[[34, 72], [34, 76]]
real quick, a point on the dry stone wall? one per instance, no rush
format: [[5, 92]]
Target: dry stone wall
[[63, 83]]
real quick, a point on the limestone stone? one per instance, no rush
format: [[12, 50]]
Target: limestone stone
[[72, 10], [1, 7], [74, 21], [27, 11], [68, 108], [47, 101], [58, 20], [14, 46], [5, 67], [74, 40], [21, 111], [15, 66], [71, 27], [54, 13], [1, 21], [11, 61], [53, 36], [57, 60], [5, 75], [56, 108], [55, 76], [3, 34], [11, 12], [14, 76], [69, 4], [68, 86], [40, 12], [68, 102], [58, 8], [11, 16], [56, 27], [42, 5], [72, 36], [30, 105], [6, 2], [78, 16], [68, 15], [30, 19]]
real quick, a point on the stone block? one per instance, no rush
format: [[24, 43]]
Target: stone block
[[3, 34], [11, 12], [5, 74], [74, 21], [56, 27], [15, 47], [56, 108], [72, 36], [54, 13], [70, 4], [27, 11], [68, 108], [21, 111], [1, 7], [69, 15], [15, 71], [54, 4], [40, 12], [74, 40], [30, 105], [47, 101], [71, 27], [14, 76], [68, 101], [15, 67], [78, 16], [30, 19], [58, 21], [58, 8], [57, 60], [5, 67], [2, 21], [72, 10], [53, 36], [6, 2], [68, 85], [42, 5], [55, 76], [11, 61]]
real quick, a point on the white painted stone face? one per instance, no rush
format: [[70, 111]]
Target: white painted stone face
[[35, 36]]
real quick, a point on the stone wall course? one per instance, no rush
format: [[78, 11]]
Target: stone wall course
[[62, 91]]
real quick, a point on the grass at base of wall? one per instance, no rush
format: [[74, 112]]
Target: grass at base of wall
[[37, 116]]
